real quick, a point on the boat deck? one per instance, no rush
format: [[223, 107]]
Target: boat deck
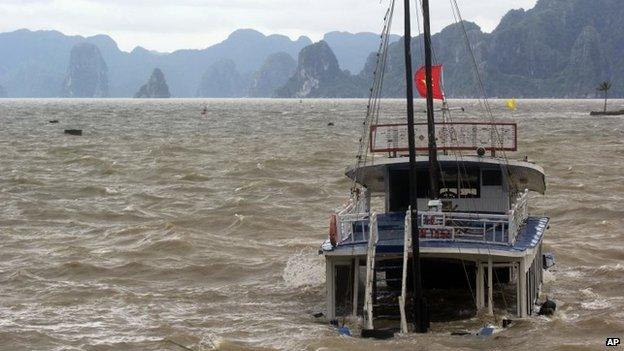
[[391, 241]]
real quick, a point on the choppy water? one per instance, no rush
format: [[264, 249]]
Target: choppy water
[[162, 223]]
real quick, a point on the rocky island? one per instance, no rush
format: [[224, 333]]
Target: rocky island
[[87, 74], [222, 80], [155, 88], [274, 73], [318, 75]]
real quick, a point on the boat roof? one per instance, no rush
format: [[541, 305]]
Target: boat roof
[[522, 174]]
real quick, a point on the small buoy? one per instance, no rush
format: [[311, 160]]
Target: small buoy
[[547, 308], [381, 334], [344, 331], [53, 121], [73, 131], [330, 124]]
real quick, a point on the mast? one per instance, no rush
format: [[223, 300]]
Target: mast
[[421, 315], [434, 168]]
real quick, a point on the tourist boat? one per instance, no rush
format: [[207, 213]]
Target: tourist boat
[[437, 225]]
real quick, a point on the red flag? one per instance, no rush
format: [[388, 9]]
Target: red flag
[[436, 82]]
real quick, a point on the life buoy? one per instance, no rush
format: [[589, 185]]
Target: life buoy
[[333, 229]]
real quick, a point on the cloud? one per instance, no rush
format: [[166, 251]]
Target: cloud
[[168, 25]]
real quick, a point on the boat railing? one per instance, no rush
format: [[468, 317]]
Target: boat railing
[[353, 227], [501, 229], [518, 214]]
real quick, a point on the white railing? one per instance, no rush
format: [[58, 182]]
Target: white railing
[[354, 227], [518, 214], [346, 223], [355, 211]]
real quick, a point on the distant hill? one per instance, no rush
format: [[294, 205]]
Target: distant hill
[[33, 64], [319, 75], [351, 50], [222, 80], [155, 88], [559, 48], [274, 73], [87, 73]]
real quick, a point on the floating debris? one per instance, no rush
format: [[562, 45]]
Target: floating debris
[[73, 131], [547, 308], [381, 334]]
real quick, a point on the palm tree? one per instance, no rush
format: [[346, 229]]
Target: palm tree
[[605, 86]]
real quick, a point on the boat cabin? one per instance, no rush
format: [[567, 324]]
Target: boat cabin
[[471, 184]]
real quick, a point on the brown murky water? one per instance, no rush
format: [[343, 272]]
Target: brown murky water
[[162, 223]]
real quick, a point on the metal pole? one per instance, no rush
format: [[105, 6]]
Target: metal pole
[[434, 169], [421, 320]]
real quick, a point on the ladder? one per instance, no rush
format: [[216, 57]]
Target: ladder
[[407, 244], [379, 283]]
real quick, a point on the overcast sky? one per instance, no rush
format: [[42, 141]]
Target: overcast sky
[[167, 25]]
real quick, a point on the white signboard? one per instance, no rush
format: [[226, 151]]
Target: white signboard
[[449, 136]]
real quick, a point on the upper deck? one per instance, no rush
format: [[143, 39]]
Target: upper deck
[[484, 199], [522, 174]]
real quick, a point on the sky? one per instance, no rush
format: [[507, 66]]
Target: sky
[[168, 25]]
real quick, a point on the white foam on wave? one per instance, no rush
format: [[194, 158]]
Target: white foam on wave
[[612, 268], [549, 277], [599, 304], [593, 300], [303, 269]]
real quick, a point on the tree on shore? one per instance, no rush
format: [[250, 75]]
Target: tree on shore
[[605, 86]]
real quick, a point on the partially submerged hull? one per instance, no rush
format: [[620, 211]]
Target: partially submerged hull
[[449, 267]]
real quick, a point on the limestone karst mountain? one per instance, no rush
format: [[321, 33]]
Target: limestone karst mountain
[[274, 73], [319, 75], [559, 49], [222, 80], [156, 87], [87, 73]]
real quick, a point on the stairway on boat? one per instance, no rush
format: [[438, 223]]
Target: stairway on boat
[[386, 281]]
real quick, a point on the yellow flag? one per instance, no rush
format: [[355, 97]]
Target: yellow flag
[[511, 104]]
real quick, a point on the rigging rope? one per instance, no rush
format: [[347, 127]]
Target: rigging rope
[[373, 106]]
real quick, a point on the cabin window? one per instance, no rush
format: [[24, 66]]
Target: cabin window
[[448, 183], [460, 182], [492, 177], [469, 183], [455, 182], [399, 188]]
